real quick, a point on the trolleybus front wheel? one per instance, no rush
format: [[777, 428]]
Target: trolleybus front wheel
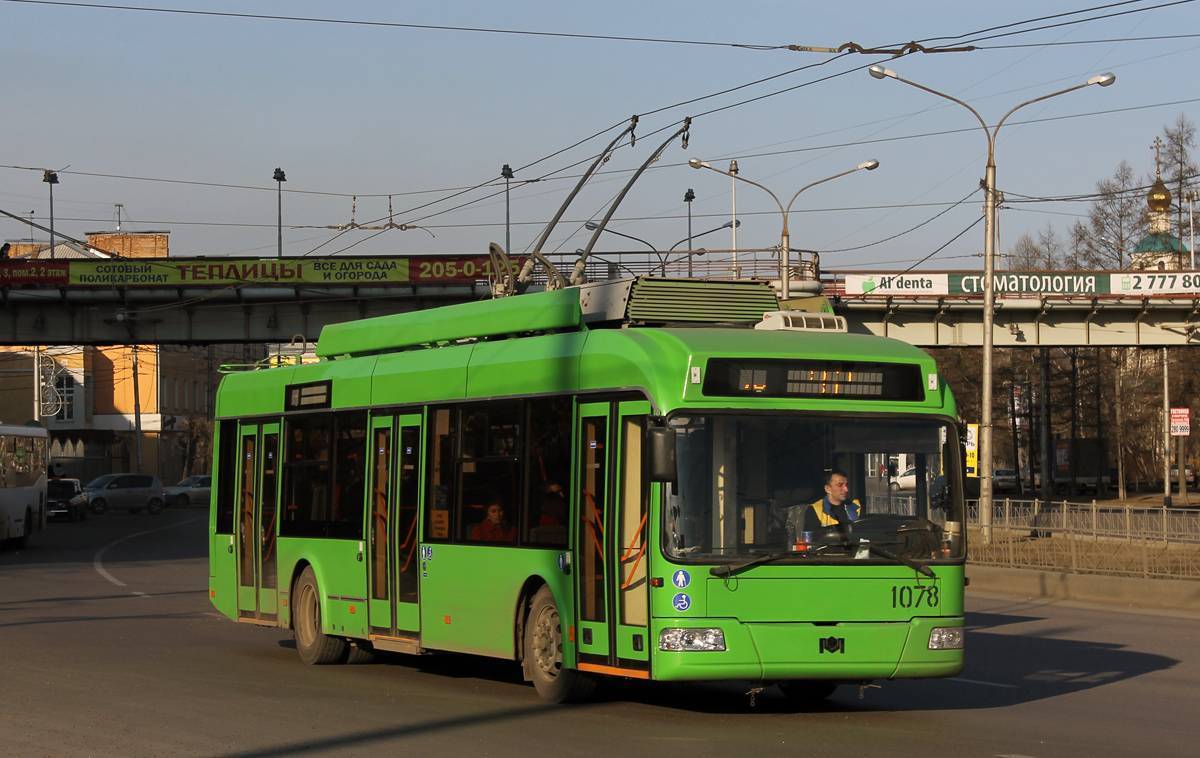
[[314, 646], [543, 655]]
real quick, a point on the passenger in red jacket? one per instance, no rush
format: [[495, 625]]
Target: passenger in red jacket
[[493, 528]]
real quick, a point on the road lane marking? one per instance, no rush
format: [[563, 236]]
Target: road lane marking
[[985, 684], [98, 558]]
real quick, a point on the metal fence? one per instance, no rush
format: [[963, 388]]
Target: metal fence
[[1088, 538]]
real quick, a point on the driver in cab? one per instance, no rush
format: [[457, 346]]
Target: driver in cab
[[833, 509]]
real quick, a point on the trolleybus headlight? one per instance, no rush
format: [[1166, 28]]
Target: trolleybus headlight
[[691, 639], [946, 638]]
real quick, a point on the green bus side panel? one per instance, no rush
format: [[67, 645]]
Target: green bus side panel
[[351, 380], [534, 312], [252, 393], [634, 359], [341, 580], [222, 574], [420, 376], [546, 364], [469, 596]]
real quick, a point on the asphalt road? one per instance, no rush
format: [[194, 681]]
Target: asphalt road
[[108, 647]]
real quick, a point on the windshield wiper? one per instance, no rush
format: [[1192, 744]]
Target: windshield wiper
[[882, 552], [758, 560]]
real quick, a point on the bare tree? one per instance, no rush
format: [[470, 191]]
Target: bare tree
[[1178, 167], [1116, 220]]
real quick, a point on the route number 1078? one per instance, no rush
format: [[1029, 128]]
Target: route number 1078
[[920, 596]]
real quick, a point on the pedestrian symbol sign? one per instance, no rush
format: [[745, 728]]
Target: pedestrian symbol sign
[[681, 578]]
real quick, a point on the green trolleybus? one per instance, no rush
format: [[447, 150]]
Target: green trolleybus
[[621, 479]]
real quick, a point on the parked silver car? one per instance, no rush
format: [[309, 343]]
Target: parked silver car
[[125, 492], [193, 490]]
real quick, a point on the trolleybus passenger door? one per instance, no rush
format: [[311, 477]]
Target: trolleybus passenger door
[[258, 485], [247, 512], [268, 499], [630, 554], [392, 525], [592, 486], [612, 538]]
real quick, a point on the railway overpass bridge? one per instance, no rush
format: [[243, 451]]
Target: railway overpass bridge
[[245, 300]]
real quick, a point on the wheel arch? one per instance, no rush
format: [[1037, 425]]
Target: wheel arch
[[521, 615], [285, 619]]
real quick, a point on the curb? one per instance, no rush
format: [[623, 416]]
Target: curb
[[1096, 589]]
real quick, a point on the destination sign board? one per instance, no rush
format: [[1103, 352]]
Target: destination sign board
[[1024, 283], [221, 272]]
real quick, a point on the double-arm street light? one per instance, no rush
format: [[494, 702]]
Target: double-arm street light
[[785, 284], [989, 261]]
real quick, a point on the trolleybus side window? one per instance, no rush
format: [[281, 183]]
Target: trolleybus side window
[[323, 485], [491, 476], [349, 476], [443, 426], [548, 472], [228, 457]]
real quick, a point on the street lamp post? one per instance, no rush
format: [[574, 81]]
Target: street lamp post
[[701, 251], [592, 226], [507, 172], [280, 178], [51, 178], [688, 197], [785, 243], [989, 261]]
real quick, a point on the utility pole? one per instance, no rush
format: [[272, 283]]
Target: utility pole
[[1016, 433], [120, 207], [1166, 432], [137, 415], [1119, 423], [1072, 461], [37, 383], [688, 197], [1048, 462]]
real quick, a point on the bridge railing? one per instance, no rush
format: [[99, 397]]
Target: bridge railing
[[1088, 538], [708, 264]]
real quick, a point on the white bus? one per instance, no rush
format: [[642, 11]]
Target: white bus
[[22, 482]]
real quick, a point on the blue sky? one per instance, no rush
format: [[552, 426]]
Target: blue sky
[[351, 109]]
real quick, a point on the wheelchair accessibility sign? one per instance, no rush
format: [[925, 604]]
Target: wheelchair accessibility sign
[[681, 601]]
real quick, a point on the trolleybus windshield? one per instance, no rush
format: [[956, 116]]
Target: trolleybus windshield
[[750, 485]]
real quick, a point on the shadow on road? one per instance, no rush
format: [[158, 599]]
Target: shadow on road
[[1003, 669]]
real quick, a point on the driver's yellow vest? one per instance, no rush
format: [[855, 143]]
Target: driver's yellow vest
[[853, 510]]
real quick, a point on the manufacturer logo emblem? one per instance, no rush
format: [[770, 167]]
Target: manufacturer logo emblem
[[832, 645]]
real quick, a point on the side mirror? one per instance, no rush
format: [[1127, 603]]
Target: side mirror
[[661, 442]]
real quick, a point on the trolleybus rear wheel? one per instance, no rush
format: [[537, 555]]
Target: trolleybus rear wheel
[[543, 655], [313, 645], [807, 691]]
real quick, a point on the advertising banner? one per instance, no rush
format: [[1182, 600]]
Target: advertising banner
[[1181, 422], [972, 450], [1025, 283], [223, 272]]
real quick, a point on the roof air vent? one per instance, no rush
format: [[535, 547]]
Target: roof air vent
[[801, 321]]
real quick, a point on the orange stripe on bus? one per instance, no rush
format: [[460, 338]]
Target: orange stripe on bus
[[596, 668]]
